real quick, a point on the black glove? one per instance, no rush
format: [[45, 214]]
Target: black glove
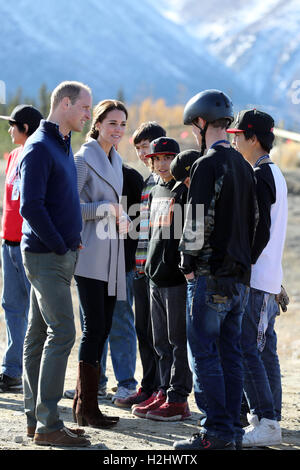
[[224, 286]]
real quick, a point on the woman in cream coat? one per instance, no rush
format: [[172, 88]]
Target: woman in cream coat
[[100, 271]]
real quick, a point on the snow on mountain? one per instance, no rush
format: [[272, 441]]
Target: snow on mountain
[[126, 45], [259, 41]]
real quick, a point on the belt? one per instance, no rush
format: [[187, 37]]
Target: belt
[[8, 242]]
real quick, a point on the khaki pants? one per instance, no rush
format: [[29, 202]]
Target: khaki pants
[[49, 338]]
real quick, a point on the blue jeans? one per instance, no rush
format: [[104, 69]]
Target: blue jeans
[[198, 390], [122, 341], [214, 331], [262, 379], [15, 303]]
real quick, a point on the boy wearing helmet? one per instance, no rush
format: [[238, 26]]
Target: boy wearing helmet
[[222, 182]]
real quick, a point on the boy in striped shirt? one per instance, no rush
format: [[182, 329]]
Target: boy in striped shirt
[[142, 137]]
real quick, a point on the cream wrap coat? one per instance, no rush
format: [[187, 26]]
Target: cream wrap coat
[[100, 182]]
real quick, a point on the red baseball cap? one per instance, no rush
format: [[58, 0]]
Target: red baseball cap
[[163, 146]]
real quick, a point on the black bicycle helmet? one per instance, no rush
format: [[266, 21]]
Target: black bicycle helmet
[[210, 105]]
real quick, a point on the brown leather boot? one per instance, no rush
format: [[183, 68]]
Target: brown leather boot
[[87, 412], [110, 418]]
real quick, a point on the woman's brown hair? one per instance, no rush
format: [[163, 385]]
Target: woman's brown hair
[[100, 112]]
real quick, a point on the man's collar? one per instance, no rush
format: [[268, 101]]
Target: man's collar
[[54, 128], [55, 125]]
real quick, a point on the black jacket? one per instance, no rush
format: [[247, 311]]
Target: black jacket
[[132, 190], [166, 223], [223, 184]]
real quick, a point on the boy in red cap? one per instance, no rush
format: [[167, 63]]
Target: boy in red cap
[[167, 289]]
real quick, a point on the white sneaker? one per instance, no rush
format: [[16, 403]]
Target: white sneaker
[[71, 393], [266, 433], [102, 393], [253, 422], [123, 392]]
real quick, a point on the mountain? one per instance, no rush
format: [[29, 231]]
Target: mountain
[[126, 46], [259, 41]]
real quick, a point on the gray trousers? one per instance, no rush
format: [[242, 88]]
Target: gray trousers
[[168, 316], [49, 338]]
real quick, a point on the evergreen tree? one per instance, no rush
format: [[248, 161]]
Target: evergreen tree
[[44, 100]]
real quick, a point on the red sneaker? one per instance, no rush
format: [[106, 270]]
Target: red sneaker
[[146, 402], [170, 412], [154, 402], [133, 399]]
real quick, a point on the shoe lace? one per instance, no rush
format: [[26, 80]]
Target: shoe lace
[[149, 400], [67, 431], [165, 405]]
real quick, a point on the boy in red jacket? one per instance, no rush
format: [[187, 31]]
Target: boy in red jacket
[[24, 120]]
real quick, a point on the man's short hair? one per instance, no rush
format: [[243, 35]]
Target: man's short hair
[[71, 89], [148, 131], [222, 123]]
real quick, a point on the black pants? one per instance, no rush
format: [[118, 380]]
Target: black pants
[[149, 357], [168, 314], [97, 309]]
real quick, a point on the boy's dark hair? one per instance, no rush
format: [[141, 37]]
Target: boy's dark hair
[[21, 128], [266, 140], [148, 131]]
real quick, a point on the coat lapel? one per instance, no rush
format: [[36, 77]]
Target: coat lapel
[[97, 159]]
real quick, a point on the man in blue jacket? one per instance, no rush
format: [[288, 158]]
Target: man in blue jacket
[[49, 204]]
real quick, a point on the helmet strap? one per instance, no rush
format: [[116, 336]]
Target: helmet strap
[[202, 132]]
